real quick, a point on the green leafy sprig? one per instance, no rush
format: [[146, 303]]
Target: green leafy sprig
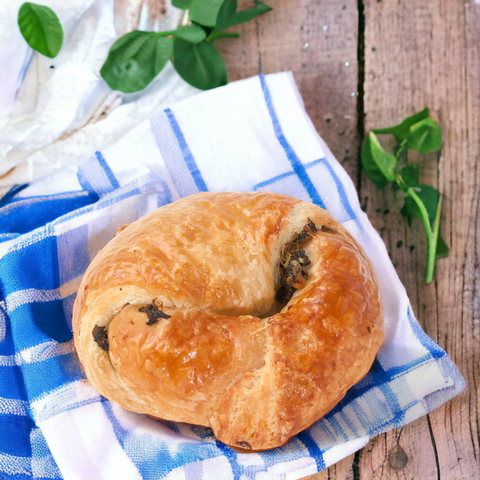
[[418, 132], [41, 28], [135, 59]]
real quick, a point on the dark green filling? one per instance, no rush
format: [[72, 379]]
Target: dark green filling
[[293, 263], [101, 337], [153, 313]]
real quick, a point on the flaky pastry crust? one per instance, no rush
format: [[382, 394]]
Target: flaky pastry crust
[[186, 316]]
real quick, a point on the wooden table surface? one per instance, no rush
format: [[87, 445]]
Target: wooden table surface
[[362, 64]]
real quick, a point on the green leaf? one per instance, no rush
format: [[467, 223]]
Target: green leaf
[[41, 28], [370, 167], [192, 33], [442, 249], [425, 136], [199, 64], [228, 15], [428, 196], [408, 177], [135, 59], [402, 130], [205, 12], [216, 34], [250, 13], [182, 4], [410, 209], [378, 164]]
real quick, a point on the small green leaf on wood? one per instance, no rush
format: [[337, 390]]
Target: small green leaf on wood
[[408, 177], [378, 164], [228, 15], [135, 59], [41, 28], [421, 133], [205, 12], [191, 33], [402, 130], [424, 195], [199, 64], [216, 34], [410, 209], [429, 197], [370, 167], [425, 136], [442, 248], [182, 4], [250, 13]]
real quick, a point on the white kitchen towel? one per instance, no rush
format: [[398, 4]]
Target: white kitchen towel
[[251, 135]]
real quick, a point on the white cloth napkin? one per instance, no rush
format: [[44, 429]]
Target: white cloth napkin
[[57, 111], [251, 135]]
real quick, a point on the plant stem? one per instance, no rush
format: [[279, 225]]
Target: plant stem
[[432, 234], [165, 34], [432, 243], [401, 147], [400, 182], [432, 249], [214, 35]]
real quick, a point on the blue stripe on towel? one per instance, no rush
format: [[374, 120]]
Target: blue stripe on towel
[[272, 180], [108, 171], [187, 154], [341, 190], [33, 267], [298, 167], [95, 175], [55, 372], [11, 194], [83, 180], [17, 444], [172, 154], [23, 215], [285, 175], [313, 448], [231, 457], [157, 461], [425, 340]]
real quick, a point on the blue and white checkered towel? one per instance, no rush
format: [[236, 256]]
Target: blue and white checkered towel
[[250, 135]]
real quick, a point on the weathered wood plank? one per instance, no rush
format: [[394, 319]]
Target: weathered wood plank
[[317, 41], [427, 54]]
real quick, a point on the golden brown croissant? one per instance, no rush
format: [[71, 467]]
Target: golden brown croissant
[[250, 313]]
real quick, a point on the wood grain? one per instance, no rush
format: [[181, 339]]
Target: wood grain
[[427, 54], [317, 41]]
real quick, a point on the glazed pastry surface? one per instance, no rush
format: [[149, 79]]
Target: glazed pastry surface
[[250, 313]]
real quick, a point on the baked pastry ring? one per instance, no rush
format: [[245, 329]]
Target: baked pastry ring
[[186, 316]]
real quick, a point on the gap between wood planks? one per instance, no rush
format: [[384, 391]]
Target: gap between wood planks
[[360, 133], [360, 86]]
